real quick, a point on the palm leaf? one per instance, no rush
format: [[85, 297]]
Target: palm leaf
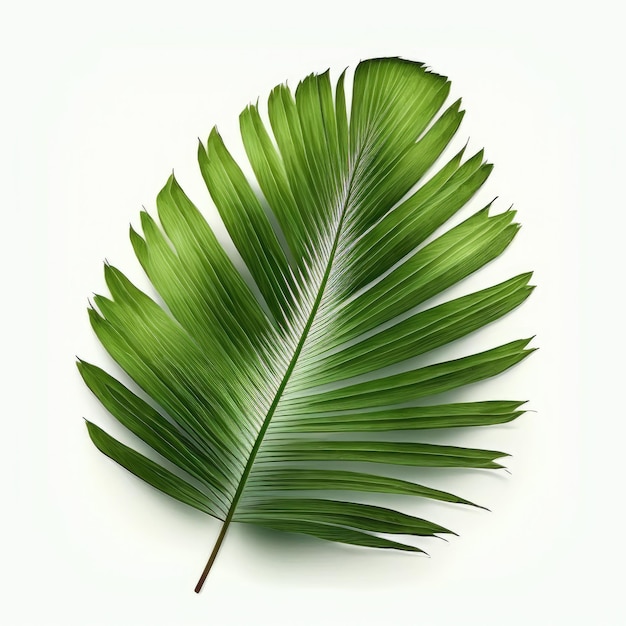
[[248, 384]]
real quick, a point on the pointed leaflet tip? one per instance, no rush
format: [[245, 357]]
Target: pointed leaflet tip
[[146, 220], [131, 231], [109, 270], [484, 212], [527, 341], [487, 167], [201, 152], [457, 103], [214, 134], [81, 366]]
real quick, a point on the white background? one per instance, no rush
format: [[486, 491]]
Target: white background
[[100, 101]]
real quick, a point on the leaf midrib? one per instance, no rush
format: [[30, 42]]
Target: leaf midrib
[[287, 375]]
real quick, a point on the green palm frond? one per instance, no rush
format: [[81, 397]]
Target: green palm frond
[[254, 387]]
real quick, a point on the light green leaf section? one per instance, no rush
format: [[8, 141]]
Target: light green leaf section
[[244, 388], [419, 333], [248, 226], [414, 384]]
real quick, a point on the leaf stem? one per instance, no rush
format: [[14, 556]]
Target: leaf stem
[[216, 549]]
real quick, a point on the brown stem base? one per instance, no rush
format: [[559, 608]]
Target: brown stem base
[[209, 564]]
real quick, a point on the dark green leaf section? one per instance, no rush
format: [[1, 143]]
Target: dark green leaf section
[[360, 516], [151, 472], [331, 533], [150, 426], [392, 452], [296, 479], [163, 360], [459, 415]]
